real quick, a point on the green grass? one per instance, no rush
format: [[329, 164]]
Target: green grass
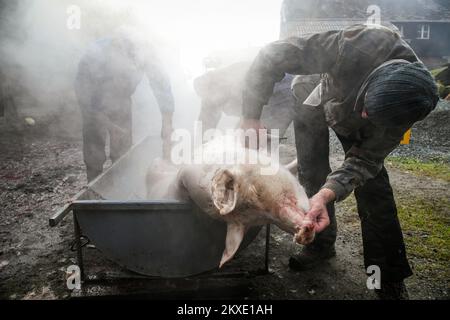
[[424, 217], [426, 227], [436, 168], [426, 230]]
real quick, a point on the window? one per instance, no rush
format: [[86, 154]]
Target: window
[[423, 31], [400, 30]]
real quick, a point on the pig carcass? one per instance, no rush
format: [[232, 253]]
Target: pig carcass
[[237, 193]]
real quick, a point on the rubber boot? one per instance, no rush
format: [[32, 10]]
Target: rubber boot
[[310, 257]]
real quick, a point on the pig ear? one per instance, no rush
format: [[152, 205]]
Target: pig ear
[[235, 234], [224, 191]]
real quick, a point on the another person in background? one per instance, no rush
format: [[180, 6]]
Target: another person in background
[[221, 91], [107, 77]]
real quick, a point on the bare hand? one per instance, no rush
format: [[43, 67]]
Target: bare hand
[[318, 213]]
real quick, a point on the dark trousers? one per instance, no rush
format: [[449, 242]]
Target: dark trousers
[[312, 144], [382, 236], [381, 232], [115, 122]]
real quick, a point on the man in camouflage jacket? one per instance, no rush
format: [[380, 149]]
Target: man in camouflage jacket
[[372, 89]]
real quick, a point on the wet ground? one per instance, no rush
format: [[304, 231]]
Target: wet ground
[[39, 174]]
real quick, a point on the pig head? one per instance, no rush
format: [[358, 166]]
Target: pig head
[[243, 198], [237, 193]]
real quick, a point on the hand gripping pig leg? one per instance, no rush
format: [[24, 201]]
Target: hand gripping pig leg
[[235, 234], [306, 233], [303, 229]]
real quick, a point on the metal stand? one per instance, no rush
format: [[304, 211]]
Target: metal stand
[[86, 278], [79, 247]]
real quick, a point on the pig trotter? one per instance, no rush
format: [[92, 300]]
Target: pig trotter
[[306, 233]]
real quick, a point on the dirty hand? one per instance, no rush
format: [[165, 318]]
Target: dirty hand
[[251, 124], [166, 132], [318, 213]]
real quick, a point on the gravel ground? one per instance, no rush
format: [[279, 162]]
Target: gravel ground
[[39, 174], [429, 138]]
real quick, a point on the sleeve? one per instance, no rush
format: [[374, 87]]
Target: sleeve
[[316, 54], [363, 162], [160, 83]]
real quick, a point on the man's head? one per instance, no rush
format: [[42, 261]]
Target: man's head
[[399, 94], [128, 42]]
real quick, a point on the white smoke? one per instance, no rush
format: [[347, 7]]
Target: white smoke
[[42, 53]]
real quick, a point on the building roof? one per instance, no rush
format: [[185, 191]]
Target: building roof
[[419, 21], [311, 26], [415, 10], [391, 10]]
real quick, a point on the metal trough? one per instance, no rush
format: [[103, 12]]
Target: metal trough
[[153, 238]]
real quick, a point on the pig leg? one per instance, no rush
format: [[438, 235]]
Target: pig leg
[[306, 233], [161, 180], [294, 218], [235, 234], [292, 166]]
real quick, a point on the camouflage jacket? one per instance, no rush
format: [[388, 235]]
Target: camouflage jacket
[[345, 58]]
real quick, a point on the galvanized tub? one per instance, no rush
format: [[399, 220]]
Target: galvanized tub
[[154, 238]]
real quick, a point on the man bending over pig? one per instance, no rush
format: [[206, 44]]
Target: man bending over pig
[[372, 89]]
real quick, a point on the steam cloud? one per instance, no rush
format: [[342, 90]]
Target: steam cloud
[[39, 55]]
